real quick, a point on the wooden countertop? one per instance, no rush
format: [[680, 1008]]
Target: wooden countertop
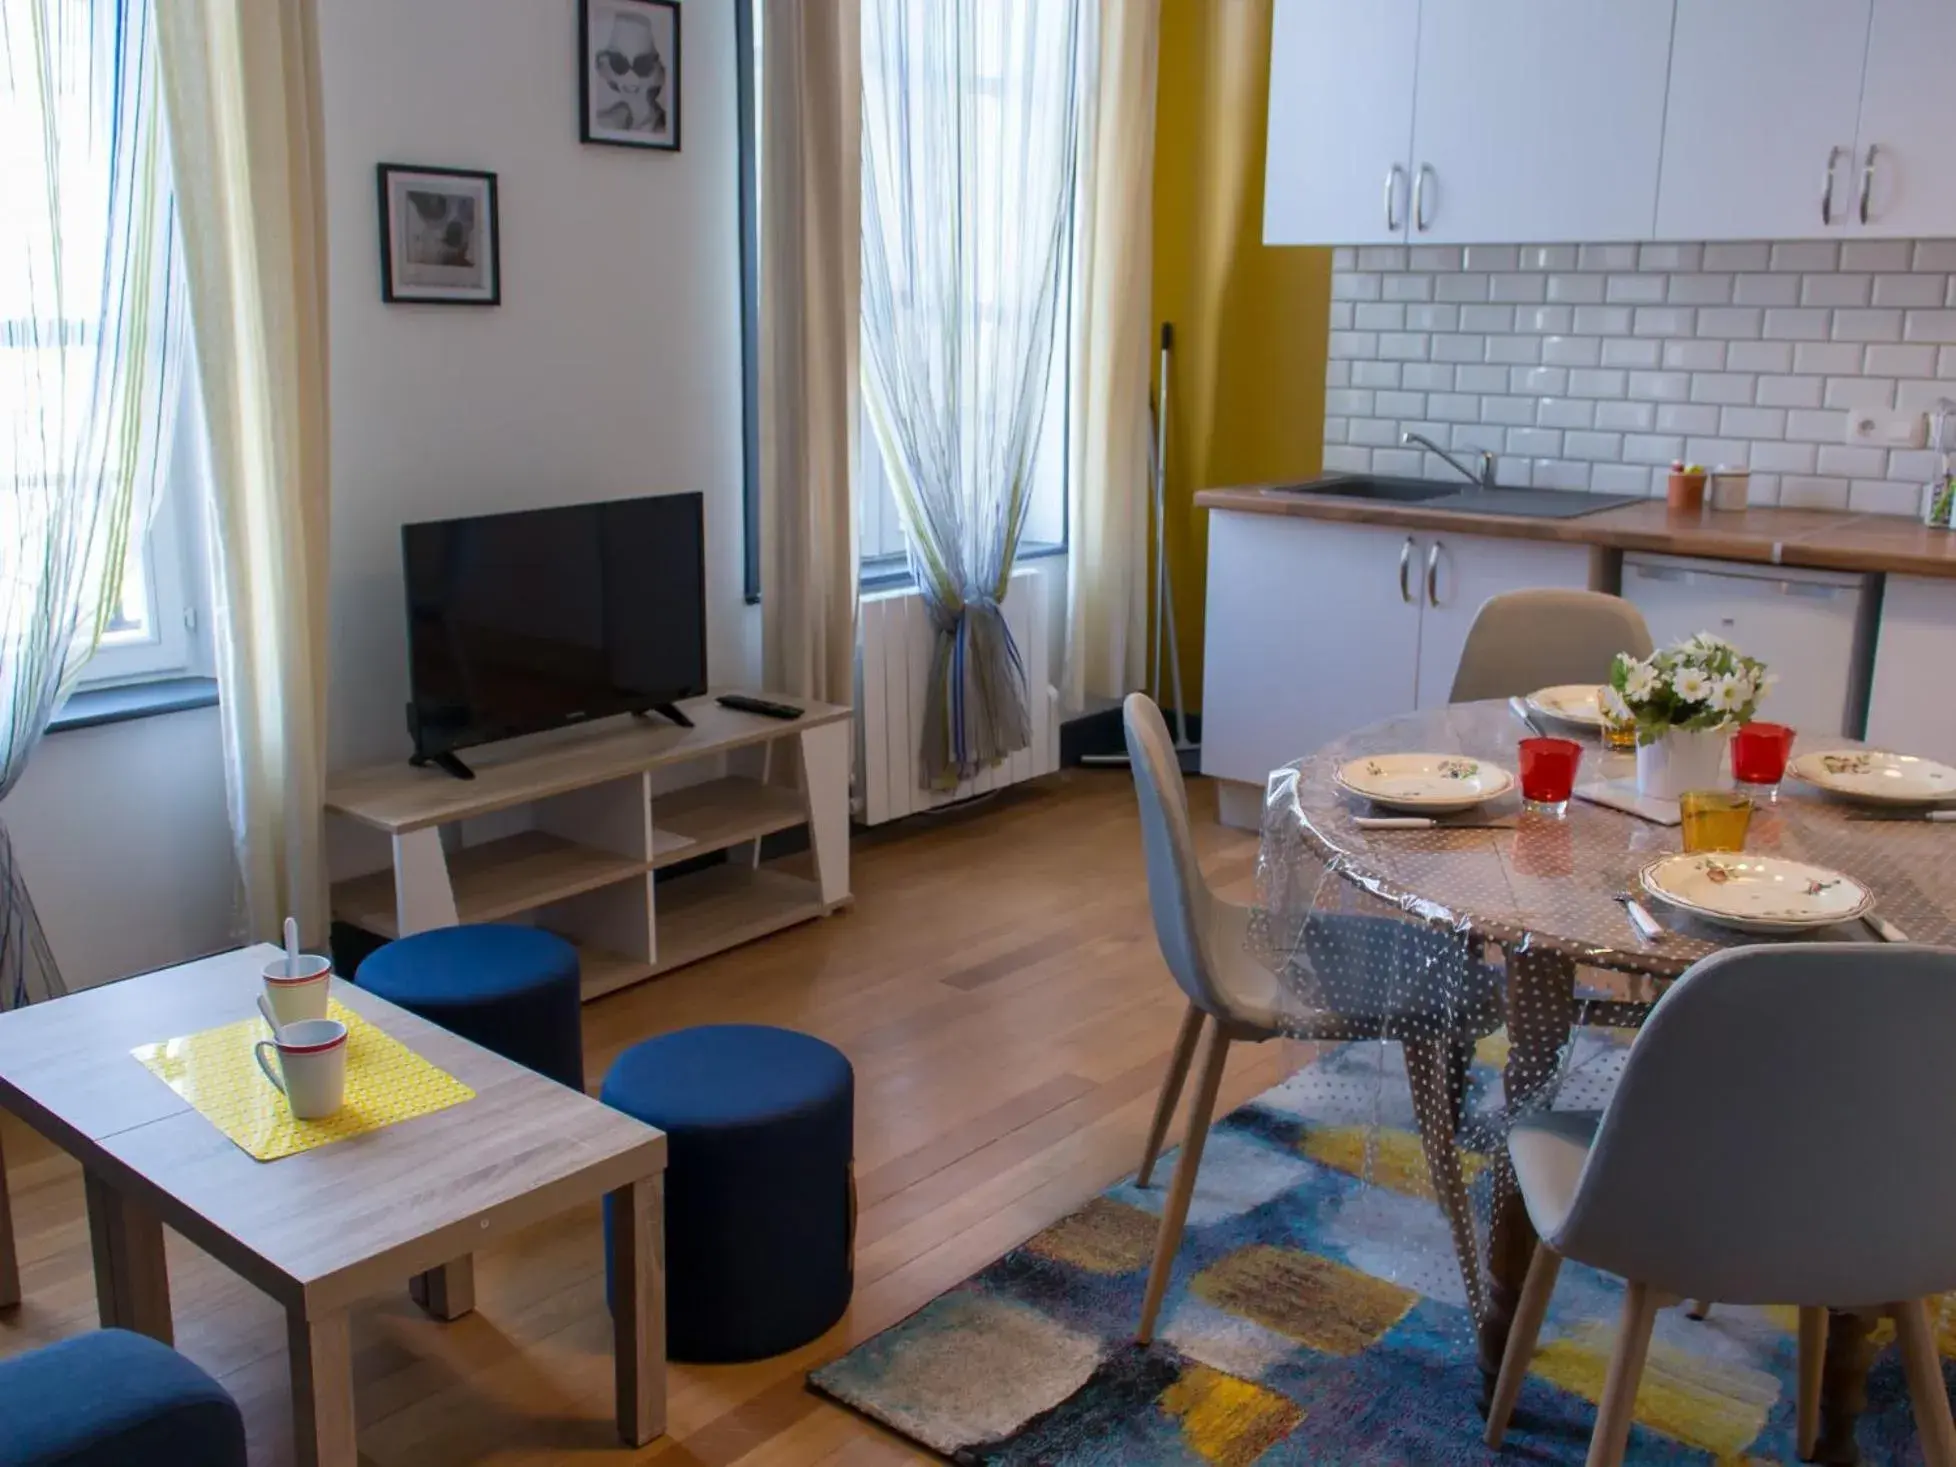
[[1823, 539]]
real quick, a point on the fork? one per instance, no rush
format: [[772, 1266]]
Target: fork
[[1647, 926]]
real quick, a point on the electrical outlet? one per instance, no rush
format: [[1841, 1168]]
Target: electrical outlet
[[1887, 428]]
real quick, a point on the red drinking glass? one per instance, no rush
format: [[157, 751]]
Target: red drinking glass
[[1548, 773], [1759, 754]]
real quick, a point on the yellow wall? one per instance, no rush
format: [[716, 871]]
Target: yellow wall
[[1246, 378]]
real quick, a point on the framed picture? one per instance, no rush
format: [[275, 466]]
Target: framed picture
[[628, 69], [439, 239]]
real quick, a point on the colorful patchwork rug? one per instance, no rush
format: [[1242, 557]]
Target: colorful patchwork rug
[[1290, 1334]]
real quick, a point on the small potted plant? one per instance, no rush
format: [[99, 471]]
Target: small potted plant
[[1685, 701]]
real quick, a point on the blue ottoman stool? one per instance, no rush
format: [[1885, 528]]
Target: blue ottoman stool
[[760, 1202], [510, 989], [112, 1398]]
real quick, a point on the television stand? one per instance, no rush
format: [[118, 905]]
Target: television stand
[[599, 834], [447, 761], [670, 710]]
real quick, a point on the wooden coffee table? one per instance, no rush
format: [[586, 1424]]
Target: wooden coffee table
[[326, 1228]]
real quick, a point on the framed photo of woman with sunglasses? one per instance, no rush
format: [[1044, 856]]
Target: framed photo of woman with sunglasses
[[628, 55]]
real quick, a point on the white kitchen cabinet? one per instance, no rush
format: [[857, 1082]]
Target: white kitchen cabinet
[[1765, 102], [1341, 121], [1906, 161], [1312, 630], [1913, 706], [1538, 121], [1457, 576]]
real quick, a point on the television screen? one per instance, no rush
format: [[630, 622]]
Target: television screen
[[527, 621]]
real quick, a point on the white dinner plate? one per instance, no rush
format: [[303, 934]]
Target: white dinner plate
[[1877, 777], [1577, 703], [1432, 784], [1756, 893]]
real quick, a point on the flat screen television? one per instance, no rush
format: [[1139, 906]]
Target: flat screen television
[[523, 622]]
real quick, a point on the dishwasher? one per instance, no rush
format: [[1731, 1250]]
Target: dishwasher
[[1814, 628]]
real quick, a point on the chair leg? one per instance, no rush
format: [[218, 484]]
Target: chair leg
[[1813, 1357], [1922, 1364], [1436, 1111], [1530, 1310], [1171, 1091], [1169, 1239], [1618, 1408]]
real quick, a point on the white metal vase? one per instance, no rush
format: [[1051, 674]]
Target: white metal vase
[[1683, 759]]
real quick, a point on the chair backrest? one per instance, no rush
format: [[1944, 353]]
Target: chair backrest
[[1524, 640], [1177, 893], [1780, 1132]]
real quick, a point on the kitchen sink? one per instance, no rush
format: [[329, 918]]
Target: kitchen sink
[[1446, 494]]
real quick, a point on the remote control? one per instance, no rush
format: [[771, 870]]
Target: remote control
[[740, 702]]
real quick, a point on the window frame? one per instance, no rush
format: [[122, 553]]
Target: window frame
[[747, 99]]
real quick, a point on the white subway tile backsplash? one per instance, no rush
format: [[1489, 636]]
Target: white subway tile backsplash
[[1760, 356], [1746, 256], [1766, 290], [1687, 355], [1345, 257], [1875, 254], [1626, 351], [1593, 366], [1837, 290], [1685, 417], [1626, 417]]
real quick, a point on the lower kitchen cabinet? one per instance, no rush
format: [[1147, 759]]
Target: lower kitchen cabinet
[[1912, 708]]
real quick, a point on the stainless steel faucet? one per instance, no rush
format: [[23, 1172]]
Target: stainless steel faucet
[[1484, 479]]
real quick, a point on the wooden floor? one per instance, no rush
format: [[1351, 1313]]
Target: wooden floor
[[998, 989]]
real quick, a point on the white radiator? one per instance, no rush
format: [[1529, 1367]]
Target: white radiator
[[892, 669]]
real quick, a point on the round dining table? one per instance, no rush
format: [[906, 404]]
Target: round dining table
[[1545, 891]]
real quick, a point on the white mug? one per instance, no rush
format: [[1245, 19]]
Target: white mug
[[311, 1070], [295, 994]]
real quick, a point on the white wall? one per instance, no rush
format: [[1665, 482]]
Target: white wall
[[612, 367], [122, 835]]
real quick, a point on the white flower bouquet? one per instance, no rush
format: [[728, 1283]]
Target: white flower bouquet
[[1701, 683]]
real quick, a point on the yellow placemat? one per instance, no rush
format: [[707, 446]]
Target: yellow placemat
[[216, 1072]]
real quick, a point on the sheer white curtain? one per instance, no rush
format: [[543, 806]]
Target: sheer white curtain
[[970, 124], [92, 328], [242, 78]]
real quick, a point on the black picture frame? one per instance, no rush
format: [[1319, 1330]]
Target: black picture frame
[[396, 285], [662, 17]]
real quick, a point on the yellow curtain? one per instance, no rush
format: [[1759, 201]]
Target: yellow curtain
[[241, 82], [1246, 390]]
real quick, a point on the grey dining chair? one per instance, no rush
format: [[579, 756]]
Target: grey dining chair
[[1205, 942], [1524, 640], [1762, 1069]]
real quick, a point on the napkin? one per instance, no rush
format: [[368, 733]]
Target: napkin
[[1621, 794]]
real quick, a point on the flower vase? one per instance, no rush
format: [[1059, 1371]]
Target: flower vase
[[1683, 759]]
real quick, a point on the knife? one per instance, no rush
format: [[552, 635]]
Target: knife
[[1936, 815], [1884, 929], [1648, 927], [1520, 710], [1423, 822]]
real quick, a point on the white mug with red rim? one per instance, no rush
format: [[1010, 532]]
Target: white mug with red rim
[[311, 1069], [296, 989]]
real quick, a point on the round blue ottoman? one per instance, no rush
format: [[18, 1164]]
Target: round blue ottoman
[[760, 1205], [510, 989]]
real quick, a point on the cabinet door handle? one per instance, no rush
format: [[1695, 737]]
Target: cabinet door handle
[[1433, 575], [1405, 562], [1393, 175], [1827, 187], [1420, 221], [1867, 180]]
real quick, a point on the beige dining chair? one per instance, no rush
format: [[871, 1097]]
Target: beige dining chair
[[1524, 640], [1205, 942], [1762, 1069]]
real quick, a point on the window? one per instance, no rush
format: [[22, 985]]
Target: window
[[879, 520]]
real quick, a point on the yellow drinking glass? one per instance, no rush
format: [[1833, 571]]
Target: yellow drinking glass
[[1715, 820], [1619, 737]]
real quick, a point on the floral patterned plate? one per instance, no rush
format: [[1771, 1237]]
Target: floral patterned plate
[[1876, 777], [1578, 703], [1756, 893], [1432, 784]]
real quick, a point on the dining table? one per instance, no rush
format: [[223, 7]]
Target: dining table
[[1544, 892]]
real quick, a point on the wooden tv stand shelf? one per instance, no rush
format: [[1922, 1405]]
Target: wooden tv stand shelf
[[605, 816]]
